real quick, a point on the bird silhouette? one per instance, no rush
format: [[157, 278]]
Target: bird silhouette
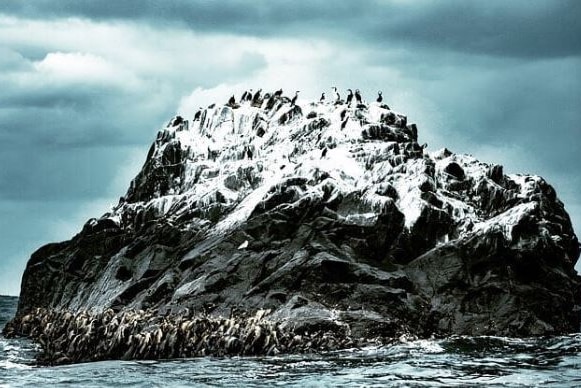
[[294, 100], [358, 96], [349, 96]]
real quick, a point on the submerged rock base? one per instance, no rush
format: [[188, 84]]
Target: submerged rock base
[[67, 337]]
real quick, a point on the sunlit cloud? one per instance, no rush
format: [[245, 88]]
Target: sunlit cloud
[[83, 68]]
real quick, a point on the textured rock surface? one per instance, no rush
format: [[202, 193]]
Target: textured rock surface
[[328, 215]]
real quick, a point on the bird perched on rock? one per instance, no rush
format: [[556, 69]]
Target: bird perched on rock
[[322, 97], [232, 101], [256, 98], [278, 93], [294, 100], [349, 96], [358, 96], [379, 97]]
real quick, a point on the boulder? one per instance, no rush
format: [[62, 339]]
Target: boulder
[[376, 239]]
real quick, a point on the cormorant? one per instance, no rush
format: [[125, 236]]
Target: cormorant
[[278, 93], [349, 96], [294, 100], [358, 96], [322, 97], [244, 95], [232, 101], [379, 97]]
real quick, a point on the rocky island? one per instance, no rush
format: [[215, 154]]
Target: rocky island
[[272, 225]]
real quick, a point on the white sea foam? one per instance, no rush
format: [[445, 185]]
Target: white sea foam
[[9, 364]]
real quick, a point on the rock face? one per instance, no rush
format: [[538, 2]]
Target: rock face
[[326, 214]]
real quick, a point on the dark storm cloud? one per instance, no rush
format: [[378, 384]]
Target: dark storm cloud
[[73, 117], [499, 28], [77, 174], [512, 102], [529, 29], [60, 147]]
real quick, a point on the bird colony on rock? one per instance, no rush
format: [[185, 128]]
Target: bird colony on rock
[[330, 215]]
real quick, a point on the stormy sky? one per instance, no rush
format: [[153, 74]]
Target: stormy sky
[[84, 87]]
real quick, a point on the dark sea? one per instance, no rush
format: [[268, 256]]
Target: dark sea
[[456, 361]]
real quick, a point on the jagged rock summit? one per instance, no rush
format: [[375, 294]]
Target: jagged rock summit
[[330, 215]]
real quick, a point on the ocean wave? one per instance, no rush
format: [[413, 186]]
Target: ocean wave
[[8, 364], [454, 361]]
